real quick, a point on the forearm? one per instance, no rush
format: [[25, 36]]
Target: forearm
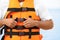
[[1, 23], [48, 24]]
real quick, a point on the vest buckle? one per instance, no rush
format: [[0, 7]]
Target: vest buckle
[[21, 33], [24, 9]]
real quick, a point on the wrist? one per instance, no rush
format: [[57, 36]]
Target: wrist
[[3, 22], [37, 23]]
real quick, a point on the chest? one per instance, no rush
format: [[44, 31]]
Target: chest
[[21, 10]]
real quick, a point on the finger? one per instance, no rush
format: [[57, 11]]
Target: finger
[[26, 18], [14, 22], [27, 21], [12, 25], [28, 26]]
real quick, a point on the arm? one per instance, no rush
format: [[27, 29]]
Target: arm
[[48, 24], [1, 24], [46, 19], [0, 17]]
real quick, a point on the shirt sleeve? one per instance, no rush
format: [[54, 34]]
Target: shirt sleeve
[[3, 9], [0, 9], [1, 18], [42, 11], [0, 13]]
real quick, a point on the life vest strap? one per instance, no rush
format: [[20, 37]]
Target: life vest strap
[[22, 27], [22, 33], [20, 9], [10, 33]]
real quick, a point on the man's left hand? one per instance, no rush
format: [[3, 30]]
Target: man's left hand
[[29, 23]]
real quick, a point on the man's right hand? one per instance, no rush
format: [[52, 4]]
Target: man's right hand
[[9, 22]]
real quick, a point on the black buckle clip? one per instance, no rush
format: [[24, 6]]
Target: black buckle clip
[[21, 33], [22, 19], [19, 27], [24, 9]]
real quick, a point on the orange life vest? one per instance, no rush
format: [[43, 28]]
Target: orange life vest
[[20, 14]]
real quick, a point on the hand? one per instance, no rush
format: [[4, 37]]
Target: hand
[[29, 23], [9, 22]]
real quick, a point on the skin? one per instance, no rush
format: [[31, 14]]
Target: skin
[[8, 22], [48, 24]]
